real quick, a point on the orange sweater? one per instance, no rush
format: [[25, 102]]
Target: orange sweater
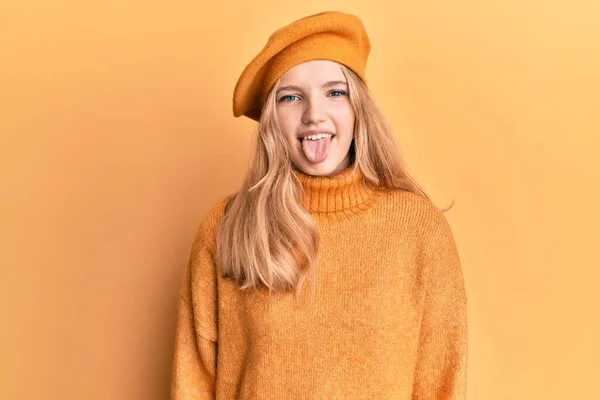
[[388, 320]]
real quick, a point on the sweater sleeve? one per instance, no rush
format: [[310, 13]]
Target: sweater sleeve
[[195, 358], [441, 369]]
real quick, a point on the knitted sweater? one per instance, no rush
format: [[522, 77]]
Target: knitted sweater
[[388, 320]]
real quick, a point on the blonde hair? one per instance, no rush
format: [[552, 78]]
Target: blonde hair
[[266, 237]]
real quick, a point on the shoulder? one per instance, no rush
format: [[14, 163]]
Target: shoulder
[[208, 223], [419, 217], [414, 209]]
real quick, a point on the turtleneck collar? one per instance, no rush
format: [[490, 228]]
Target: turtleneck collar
[[336, 198]]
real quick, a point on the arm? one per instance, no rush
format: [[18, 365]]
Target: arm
[[195, 359], [441, 370]]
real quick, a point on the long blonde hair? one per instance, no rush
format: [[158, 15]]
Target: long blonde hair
[[266, 237]]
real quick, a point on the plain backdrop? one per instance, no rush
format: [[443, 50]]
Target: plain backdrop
[[117, 135]]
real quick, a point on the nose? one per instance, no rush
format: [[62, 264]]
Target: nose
[[315, 112]]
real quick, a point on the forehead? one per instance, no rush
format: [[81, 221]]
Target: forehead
[[314, 72]]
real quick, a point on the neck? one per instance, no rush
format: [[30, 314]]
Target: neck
[[338, 197]]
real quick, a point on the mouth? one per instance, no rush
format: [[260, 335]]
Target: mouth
[[316, 137], [315, 146]]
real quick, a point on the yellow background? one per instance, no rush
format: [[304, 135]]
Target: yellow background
[[117, 136]]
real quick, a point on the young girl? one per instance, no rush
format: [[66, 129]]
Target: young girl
[[328, 201]]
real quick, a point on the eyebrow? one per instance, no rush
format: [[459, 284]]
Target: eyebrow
[[326, 84]]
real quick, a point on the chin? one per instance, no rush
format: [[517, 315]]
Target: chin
[[326, 168]]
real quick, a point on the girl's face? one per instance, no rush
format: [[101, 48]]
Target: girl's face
[[316, 117]]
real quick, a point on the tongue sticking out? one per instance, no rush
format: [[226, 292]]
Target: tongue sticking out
[[316, 150]]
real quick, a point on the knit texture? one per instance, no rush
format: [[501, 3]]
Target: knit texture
[[388, 321]]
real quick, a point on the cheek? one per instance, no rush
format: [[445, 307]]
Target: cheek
[[287, 126], [344, 118]]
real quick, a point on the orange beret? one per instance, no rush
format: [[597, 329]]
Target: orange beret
[[330, 35]]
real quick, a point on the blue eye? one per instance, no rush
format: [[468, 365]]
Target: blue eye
[[287, 97], [341, 93]]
